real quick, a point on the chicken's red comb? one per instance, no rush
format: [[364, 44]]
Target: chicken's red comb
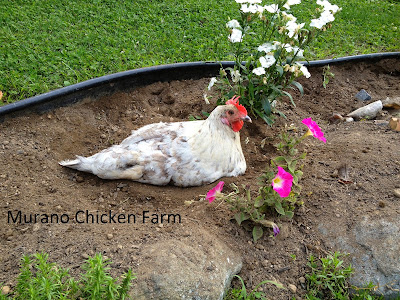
[[235, 101]]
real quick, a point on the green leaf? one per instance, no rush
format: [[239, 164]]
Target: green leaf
[[270, 200], [277, 53], [266, 105], [257, 233], [273, 165], [206, 114], [280, 113], [257, 295], [280, 160], [299, 86], [279, 208], [303, 155], [299, 173], [243, 290], [276, 283], [243, 67], [240, 217], [280, 70], [250, 88], [267, 120], [194, 118], [290, 97], [230, 94], [259, 202], [295, 179], [289, 214], [292, 166]]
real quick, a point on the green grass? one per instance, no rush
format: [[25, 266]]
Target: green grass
[[243, 294], [328, 279], [39, 279], [361, 27], [46, 45]]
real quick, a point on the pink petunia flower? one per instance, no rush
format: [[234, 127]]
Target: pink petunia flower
[[213, 193], [313, 129], [282, 183]]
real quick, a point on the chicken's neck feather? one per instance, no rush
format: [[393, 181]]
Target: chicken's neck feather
[[212, 132]]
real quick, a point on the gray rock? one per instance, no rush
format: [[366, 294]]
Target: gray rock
[[381, 239], [363, 95], [186, 269], [369, 111], [374, 247]]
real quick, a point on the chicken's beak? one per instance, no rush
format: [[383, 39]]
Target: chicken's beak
[[247, 119]]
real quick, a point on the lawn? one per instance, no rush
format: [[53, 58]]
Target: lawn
[[46, 45]]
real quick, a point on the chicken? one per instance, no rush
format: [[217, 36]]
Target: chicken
[[184, 154]]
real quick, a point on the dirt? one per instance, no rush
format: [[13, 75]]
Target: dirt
[[32, 181]]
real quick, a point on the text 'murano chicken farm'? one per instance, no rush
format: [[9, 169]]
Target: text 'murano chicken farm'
[[96, 217]]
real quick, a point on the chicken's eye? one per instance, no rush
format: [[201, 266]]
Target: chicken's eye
[[230, 112]]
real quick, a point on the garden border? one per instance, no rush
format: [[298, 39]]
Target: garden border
[[127, 80]]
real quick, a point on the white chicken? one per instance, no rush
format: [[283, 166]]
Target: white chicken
[[184, 154]]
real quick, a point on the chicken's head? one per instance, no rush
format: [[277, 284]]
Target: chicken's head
[[235, 114]]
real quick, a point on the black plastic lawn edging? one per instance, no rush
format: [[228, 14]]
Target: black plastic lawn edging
[[128, 80]]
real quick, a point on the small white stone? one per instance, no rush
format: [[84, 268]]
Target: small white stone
[[265, 263], [6, 290], [292, 288], [36, 227]]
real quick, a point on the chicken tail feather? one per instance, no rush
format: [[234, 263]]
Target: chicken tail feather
[[77, 164], [108, 165]]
